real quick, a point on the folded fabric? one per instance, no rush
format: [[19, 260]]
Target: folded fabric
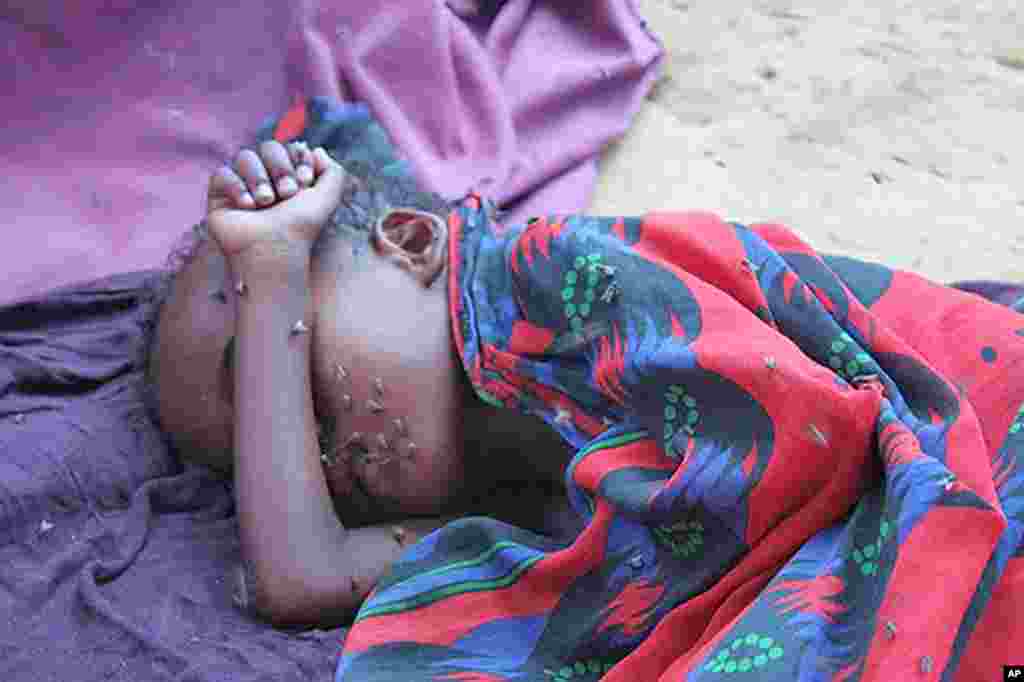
[[793, 465], [118, 112]]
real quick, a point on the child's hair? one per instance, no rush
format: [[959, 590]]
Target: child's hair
[[379, 191]]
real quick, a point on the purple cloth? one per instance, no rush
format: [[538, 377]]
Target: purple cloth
[[113, 558], [1004, 293], [117, 110]]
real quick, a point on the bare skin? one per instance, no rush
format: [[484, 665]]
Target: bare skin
[[378, 360]]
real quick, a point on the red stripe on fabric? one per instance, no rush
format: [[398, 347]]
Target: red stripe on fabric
[[454, 272], [899, 445], [619, 228], [749, 461], [677, 327], [609, 366], [823, 298], [536, 592], [293, 122], [474, 677]]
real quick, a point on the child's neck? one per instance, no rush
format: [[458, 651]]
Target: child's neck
[[501, 444], [506, 444]]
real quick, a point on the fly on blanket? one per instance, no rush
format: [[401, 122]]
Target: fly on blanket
[[793, 465]]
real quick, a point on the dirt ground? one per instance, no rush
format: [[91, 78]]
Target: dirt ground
[[890, 131]]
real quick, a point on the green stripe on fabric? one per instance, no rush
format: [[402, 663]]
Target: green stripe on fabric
[[617, 442], [483, 585], [458, 565], [448, 591]]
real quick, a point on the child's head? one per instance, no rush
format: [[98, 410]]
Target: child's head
[[379, 296]]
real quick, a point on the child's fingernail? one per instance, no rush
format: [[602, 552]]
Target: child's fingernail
[[305, 174], [265, 192], [247, 200], [287, 186]]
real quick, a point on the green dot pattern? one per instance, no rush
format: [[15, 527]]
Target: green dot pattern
[[579, 289], [681, 418], [583, 670], [745, 654], [684, 539], [866, 557], [846, 358]]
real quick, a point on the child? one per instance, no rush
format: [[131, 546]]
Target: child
[[324, 337], [764, 445]]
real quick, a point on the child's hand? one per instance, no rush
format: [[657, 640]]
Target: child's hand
[[274, 200]]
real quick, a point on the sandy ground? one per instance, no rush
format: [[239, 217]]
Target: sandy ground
[[890, 131]]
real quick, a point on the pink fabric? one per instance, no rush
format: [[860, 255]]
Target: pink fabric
[[117, 111]]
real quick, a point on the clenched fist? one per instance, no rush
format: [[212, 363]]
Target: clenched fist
[[273, 202]]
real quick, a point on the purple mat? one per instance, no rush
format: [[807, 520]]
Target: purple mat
[[118, 110], [113, 559]]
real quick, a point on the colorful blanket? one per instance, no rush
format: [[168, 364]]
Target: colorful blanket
[[792, 466]]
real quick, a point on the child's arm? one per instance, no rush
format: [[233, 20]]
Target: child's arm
[[303, 566], [365, 556]]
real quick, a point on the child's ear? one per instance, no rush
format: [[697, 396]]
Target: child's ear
[[414, 240]]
